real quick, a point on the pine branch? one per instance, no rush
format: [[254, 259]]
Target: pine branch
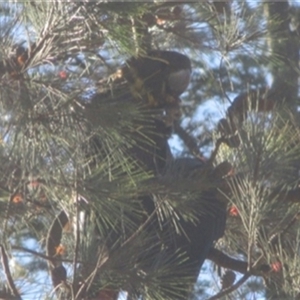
[[227, 262], [10, 281], [234, 287], [41, 255], [189, 141]]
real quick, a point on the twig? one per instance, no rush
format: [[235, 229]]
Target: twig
[[215, 151], [134, 235], [231, 288], [85, 286], [221, 81], [275, 237], [7, 273], [41, 255], [225, 261], [188, 141], [77, 233]]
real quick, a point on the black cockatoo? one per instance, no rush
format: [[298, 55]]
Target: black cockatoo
[[158, 79], [162, 74], [198, 232]]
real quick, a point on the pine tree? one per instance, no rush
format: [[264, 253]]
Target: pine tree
[[93, 202]]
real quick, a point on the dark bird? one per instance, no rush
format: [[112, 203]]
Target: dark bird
[[158, 78], [160, 73]]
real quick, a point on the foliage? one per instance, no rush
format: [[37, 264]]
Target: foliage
[[68, 125]]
